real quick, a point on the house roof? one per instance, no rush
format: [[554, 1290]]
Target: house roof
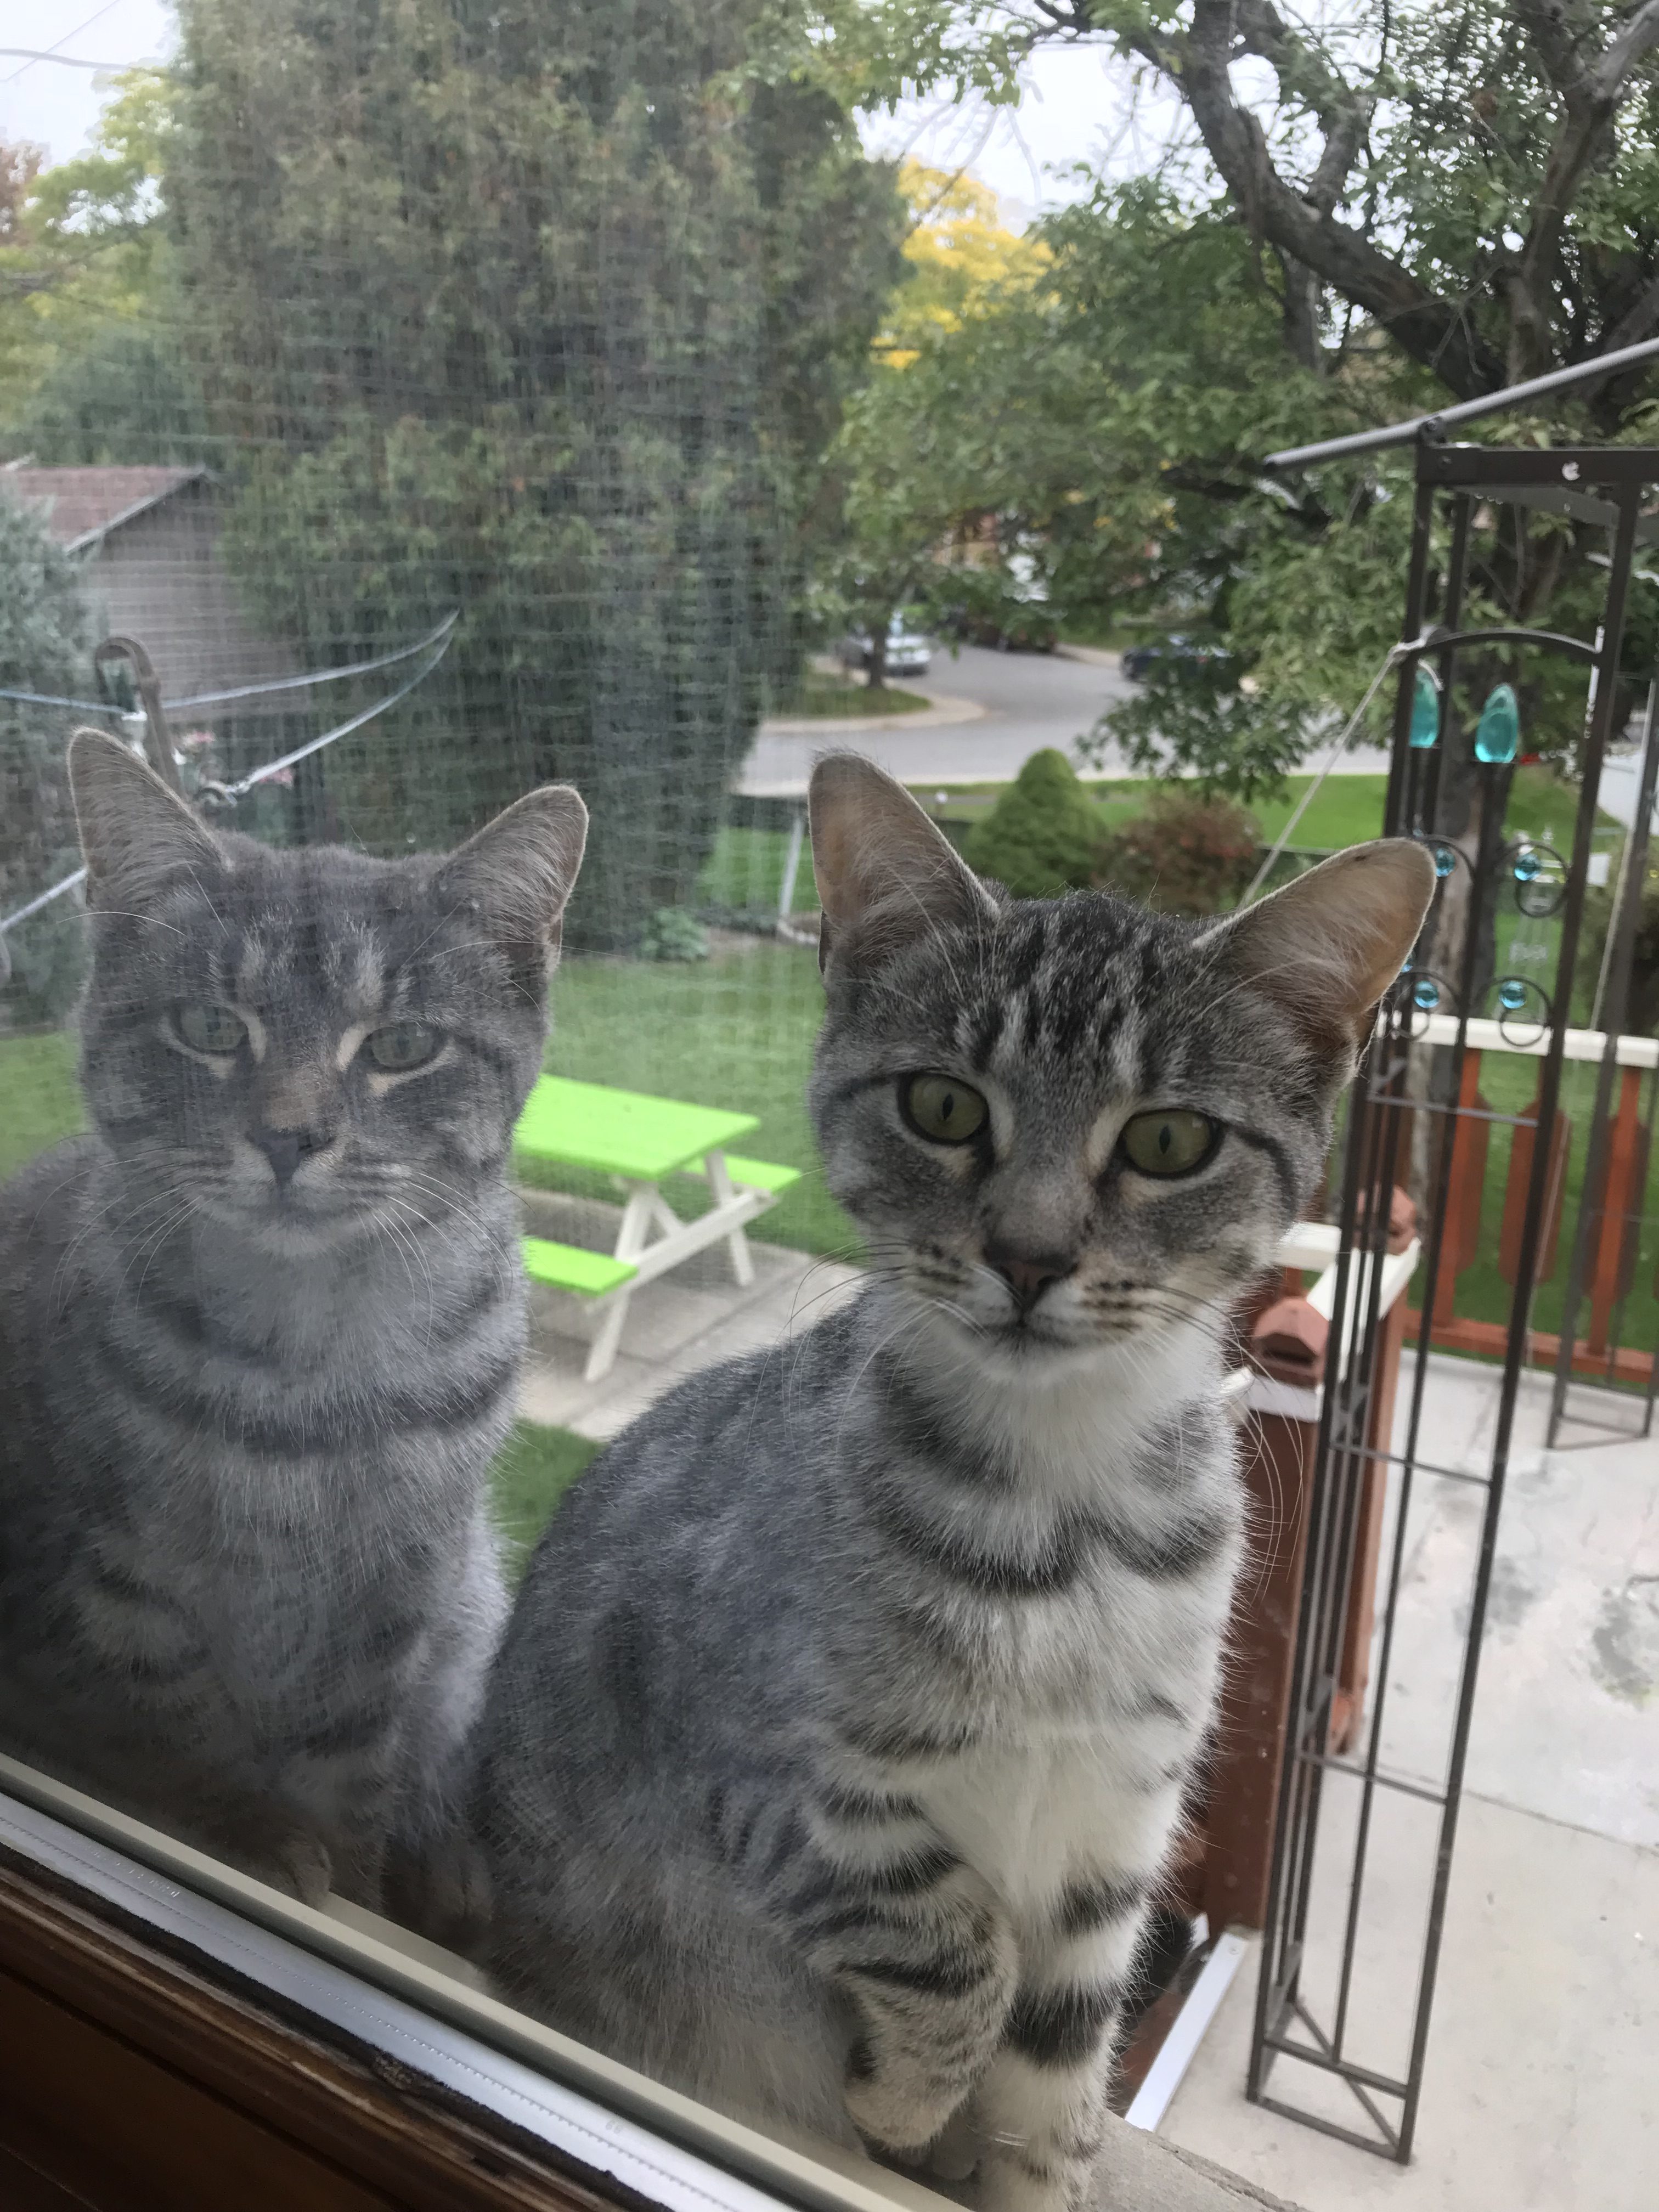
[[82, 505]]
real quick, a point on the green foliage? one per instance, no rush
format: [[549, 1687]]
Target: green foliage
[[43, 647], [1044, 835], [930, 513], [1197, 718], [1362, 219], [41, 1097], [126, 392], [672, 934], [546, 315], [1186, 854], [84, 275]]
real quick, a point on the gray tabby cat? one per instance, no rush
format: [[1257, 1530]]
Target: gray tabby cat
[[840, 1732], [260, 1331]]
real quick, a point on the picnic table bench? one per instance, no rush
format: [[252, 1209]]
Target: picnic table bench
[[639, 1141]]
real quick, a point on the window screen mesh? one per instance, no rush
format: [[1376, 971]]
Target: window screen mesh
[[369, 315]]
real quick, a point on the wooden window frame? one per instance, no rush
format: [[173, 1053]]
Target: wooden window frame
[[175, 2034]]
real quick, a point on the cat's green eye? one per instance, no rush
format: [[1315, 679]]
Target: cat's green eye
[[1170, 1142], [207, 1027], [939, 1108], [401, 1045]]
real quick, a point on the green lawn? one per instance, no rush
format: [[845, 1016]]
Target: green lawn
[[537, 1467], [840, 698], [1508, 1084], [39, 1100], [737, 1032], [1114, 632], [1346, 810], [744, 872]]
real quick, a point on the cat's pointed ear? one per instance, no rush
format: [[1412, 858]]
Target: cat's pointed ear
[[136, 835], [885, 874], [1328, 945], [518, 872]]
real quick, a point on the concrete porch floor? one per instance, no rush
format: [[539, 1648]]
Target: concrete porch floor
[[1542, 2090], [1542, 2085]]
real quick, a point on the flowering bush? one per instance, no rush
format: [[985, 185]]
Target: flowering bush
[[1185, 855]]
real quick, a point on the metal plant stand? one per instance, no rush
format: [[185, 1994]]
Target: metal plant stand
[[1326, 2050]]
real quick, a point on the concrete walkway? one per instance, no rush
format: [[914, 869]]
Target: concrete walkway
[[945, 712], [1542, 2089]]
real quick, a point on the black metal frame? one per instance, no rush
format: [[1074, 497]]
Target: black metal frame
[[1604, 487]]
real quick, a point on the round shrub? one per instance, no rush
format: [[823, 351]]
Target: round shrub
[[1044, 834], [672, 934]]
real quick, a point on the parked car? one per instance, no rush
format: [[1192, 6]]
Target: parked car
[[909, 652], [1179, 647], [1016, 629]]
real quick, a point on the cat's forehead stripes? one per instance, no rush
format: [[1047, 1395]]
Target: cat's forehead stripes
[[1077, 991]]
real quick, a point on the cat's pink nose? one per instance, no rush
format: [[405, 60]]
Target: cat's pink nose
[[1027, 1274]]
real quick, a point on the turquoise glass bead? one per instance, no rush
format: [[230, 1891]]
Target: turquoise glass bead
[[1425, 711], [1498, 735]]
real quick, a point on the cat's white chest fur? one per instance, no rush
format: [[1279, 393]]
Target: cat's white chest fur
[[1098, 1697], [1061, 1805]]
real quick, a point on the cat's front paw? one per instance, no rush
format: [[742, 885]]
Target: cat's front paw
[[956, 2152], [303, 1866], [891, 2110], [440, 1890]]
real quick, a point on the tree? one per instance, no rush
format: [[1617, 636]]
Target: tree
[[92, 359], [546, 315], [1409, 203], [915, 463], [43, 647], [1416, 201]]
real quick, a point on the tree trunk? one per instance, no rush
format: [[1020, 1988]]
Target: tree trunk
[[878, 629]]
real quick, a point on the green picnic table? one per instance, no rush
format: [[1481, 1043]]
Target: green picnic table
[[641, 1140]]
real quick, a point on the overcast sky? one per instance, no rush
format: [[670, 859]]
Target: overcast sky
[[1077, 106]]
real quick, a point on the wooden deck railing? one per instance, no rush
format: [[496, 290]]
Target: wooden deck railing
[[1616, 1232]]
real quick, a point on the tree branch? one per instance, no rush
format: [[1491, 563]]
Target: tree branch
[[1590, 94], [1639, 320], [1433, 330], [1344, 115]]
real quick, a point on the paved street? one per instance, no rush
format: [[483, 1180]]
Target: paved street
[[1027, 700], [994, 710]]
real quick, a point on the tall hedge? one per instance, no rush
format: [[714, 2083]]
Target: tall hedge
[[542, 312], [44, 647]]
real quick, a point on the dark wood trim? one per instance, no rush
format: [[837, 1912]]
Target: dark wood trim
[[130, 2079]]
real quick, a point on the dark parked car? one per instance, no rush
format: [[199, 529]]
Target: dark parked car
[[1011, 629], [1180, 649]]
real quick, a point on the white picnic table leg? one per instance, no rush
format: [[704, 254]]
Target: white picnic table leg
[[643, 1199], [720, 1182]]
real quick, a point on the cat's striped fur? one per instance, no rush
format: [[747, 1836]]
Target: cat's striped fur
[[260, 1334], [841, 1730]]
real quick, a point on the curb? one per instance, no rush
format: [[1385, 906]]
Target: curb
[[945, 711]]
